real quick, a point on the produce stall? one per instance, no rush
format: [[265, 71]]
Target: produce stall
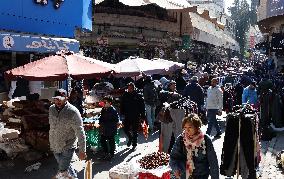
[[30, 118], [151, 166]]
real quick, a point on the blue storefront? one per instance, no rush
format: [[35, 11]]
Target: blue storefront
[[31, 28]]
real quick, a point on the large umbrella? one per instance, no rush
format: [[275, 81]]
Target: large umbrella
[[171, 65], [135, 66], [60, 67]]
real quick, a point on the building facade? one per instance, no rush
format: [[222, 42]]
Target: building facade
[[154, 29], [216, 9], [124, 29]]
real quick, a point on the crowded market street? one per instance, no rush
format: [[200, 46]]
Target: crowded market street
[[101, 169], [141, 89]]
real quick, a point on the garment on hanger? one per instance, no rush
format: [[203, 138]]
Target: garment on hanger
[[277, 111], [247, 150]]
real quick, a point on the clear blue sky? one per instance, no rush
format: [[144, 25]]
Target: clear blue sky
[[229, 3]]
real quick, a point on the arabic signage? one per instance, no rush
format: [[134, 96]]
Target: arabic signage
[[19, 42], [275, 8]]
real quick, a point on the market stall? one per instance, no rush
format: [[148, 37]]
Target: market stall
[[154, 165], [28, 115]]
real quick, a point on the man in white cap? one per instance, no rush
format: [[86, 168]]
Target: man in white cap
[[66, 128]]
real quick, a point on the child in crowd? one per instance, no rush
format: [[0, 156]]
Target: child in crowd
[[108, 121]]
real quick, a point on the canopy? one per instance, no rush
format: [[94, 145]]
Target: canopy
[[135, 66], [171, 65], [59, 67]]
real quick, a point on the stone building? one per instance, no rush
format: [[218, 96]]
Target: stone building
[[122, 30], [171, 29]]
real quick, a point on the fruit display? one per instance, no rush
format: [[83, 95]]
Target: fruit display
[[154, 160]]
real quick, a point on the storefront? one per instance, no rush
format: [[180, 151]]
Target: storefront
[[34, 29], [277, 44], [207, 41]]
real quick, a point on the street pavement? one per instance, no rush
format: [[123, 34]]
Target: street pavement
[[267, 170], [268, 165]]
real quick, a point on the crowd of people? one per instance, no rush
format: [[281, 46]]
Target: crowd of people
[[213, 88]]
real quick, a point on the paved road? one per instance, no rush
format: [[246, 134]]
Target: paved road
[[15, 170]]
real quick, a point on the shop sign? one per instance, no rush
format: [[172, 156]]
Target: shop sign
[[103, 41], [156, 40], [19, 42], [48, 45], [277, 41]]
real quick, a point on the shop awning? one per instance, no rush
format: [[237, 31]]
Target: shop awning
[[167, 4], [10, 41], [205, 31]]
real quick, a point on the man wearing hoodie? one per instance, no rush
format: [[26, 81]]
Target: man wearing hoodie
[[214, 106]]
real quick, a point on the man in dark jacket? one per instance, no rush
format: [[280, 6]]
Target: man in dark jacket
[[180, 83], [195, 92], [133, 108], [150, 97], [238, 92]]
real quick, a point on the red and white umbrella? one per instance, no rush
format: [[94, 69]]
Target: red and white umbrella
[[60, 67]]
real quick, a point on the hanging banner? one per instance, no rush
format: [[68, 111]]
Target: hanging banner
[[186, 41]]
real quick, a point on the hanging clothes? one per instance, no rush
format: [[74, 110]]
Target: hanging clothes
[[247, 148], [174, 128], [277, 111], [228, 99], [265, 115], [178, 110]]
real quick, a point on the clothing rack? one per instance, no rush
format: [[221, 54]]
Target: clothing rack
[[226, 168], [186, 104]]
